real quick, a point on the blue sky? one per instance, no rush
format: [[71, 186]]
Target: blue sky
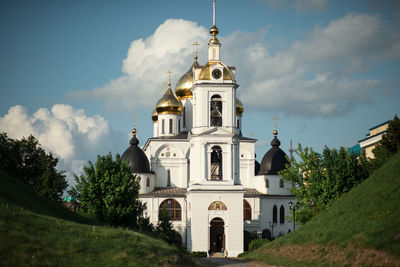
[[73, 72]]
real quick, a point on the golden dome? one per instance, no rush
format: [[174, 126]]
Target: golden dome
[[205, 73], [154, 115], [239, 107], [169, 104], [185, 83]]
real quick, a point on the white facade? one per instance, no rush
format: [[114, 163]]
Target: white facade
[[204, 170]]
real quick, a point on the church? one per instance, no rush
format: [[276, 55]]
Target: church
[[200, 167]]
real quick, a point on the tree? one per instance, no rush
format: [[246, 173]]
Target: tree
[[110, 191], [28, 161], [320, 180], [165, 230], [389, 145]]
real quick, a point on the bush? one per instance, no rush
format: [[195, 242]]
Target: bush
[[198, 254], [257, 243]]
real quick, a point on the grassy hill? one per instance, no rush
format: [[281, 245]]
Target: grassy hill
[[362, 228], [38, 232]]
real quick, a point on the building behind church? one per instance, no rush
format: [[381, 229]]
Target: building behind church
[[200, 167]]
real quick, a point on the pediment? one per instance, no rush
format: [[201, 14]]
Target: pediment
[[217, 131]]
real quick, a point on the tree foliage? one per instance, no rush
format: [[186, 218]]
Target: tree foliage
[[109, 190], [165, 230], [27, 160], [389, 145], [320, 180]]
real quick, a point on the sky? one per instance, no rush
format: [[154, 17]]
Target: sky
[[74, 72]]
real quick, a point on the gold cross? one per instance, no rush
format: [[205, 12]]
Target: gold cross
[[169, 72], [251, 134], [195, 49], [134, 121]]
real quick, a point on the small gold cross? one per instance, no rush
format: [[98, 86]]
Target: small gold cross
[[195, 49], [169, 72]]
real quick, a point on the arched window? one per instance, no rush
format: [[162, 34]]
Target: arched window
[[266, 183], [246, 210], [282, 214], [168, 178], [281, 184], [179, 126], [148, 182], [174, 209], [216, 110], [184, 117], [162, 126], [275, 214], [216, 163], [170, 126]]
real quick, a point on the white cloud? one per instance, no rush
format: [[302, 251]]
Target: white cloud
[[318, 76], [68, 133], [147, 62]]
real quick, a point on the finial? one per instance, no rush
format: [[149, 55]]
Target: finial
[[214, 30], [251, 134], [214, 13], [134, 131], [195, 49], [169, 72], [275, 130]]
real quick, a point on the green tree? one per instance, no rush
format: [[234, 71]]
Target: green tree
[[28, 161], [320, 180], [110, 191], [165, 230], [389, 145]]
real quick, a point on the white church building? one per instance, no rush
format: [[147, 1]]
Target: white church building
[[203, 170]]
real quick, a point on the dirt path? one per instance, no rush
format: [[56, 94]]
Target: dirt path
[[229, 262]]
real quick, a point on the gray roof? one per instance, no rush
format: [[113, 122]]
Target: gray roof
[[166, 192]]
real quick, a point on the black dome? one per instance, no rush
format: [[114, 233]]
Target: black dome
[[256, 167], [136, 158], [274, 160]]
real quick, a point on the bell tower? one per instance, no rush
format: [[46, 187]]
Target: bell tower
[[215, 133]]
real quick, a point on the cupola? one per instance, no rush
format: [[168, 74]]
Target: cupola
[[275, 159], [135, 156], [185, 83], [154, 115], [239, 107], [169, 103]]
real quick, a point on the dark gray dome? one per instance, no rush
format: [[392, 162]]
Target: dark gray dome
[[274, 160], [136, 158], [256, 167]]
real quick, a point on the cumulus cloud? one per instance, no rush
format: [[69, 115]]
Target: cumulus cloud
[[66, 132], [317, 76], [147, 62]]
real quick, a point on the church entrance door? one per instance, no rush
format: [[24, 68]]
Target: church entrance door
[[217, 235]]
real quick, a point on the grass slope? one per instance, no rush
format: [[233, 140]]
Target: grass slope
[[37, 232], [361, 228]]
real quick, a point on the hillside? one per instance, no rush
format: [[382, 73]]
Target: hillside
[[37, 232], [361, 228]]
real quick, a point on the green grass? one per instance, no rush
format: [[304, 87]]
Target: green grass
[[368, 217], [37, 232]]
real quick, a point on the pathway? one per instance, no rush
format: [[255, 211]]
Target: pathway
[[229, 262]]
